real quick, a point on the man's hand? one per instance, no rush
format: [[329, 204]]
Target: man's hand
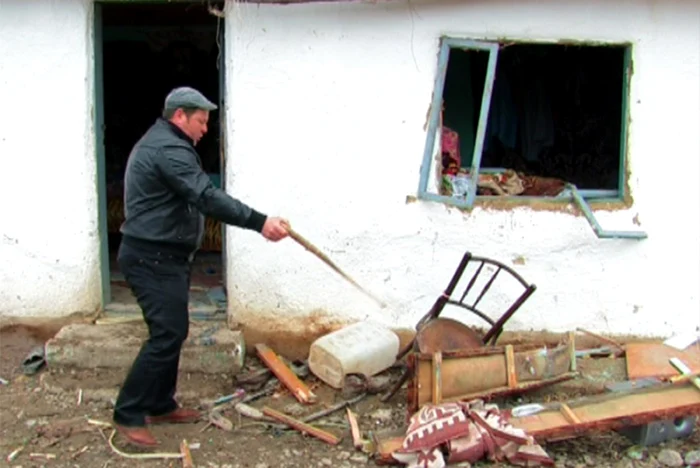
[[275, 229]]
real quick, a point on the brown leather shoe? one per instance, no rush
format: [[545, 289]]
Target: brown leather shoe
[[180, 415], [138, 436]]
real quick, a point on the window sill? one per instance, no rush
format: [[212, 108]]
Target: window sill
[[562, 203]]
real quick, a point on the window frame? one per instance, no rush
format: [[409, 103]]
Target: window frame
[[448, 43]]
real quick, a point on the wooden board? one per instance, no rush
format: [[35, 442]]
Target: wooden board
[[611, 411], [652, 360]]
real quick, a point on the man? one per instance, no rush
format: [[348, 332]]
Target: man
[[166, 195]]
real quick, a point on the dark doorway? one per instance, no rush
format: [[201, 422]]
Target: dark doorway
[[144, 51]]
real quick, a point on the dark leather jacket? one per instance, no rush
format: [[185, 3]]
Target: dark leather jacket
[[166, 193]]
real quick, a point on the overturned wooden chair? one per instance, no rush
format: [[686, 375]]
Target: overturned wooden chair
[[435, 333]]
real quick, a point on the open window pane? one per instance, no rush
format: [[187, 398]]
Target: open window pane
[[555, 118]]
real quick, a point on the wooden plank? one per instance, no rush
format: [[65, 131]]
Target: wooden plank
[[354, 429], [612, 411], [569, 414], [651, 359], [187, 461], [302, 426], [485, 374], [510, 367], [685, 370], [437, 378], [298, 388]]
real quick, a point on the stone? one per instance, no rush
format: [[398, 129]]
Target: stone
[[208, 349], [326, 462], [625, 464], [636, 452], [294, 409], [381, 415], [692, 458], [344, 455], [378, 383], [669, 457], [359, 458], [589, 461]]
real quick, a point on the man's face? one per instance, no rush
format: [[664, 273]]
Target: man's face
[[195, 126]]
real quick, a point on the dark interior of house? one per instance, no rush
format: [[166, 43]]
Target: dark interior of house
[[555, 113], [147, 50]]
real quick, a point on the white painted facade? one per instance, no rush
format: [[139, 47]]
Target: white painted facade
[[326, 105], [49, 242]]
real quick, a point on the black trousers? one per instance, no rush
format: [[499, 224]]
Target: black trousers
[[160, 281]]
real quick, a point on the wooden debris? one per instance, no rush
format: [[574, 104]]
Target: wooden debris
[[80, 452], [250, 412], [44, 456], [496, 371], [238, 394], [652, 359], [685, 370], [80, 396], [333, 409], [220, 421], [298, 388], [301, 426], [14, 454], [610, 411], [683, 377], [601, 338], [354, 429], [186, 455]]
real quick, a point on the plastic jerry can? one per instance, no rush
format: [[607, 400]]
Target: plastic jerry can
[[364, 348]]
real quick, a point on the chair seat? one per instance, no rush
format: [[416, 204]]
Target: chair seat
[[445, 334]]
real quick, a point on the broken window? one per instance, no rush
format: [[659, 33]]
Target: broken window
[[526, 120]]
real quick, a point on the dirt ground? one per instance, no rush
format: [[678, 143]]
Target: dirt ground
[[47, 414]]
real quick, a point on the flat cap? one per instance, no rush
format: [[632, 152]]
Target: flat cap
[[184, 97]]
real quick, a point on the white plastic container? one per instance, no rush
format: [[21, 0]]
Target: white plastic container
[[364, 348]]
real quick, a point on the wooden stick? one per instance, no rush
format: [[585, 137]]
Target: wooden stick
[[569, 414], [186, 455], [354, 429], [284, 374], [333, 409], [685, 370], [511, 374], [601, 338], [683, 377], [302, 427], [314, 250], [437, 378]]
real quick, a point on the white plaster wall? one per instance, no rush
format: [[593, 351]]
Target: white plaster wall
[[49, 246], [326, 107]]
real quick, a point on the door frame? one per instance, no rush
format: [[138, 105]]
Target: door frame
[[98, 86], [99, 130]]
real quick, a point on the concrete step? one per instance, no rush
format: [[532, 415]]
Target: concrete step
[[210, 348]]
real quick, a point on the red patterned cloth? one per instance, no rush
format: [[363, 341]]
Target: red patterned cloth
[[466, 432]]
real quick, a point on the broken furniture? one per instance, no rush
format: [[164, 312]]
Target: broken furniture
[[654, 432], [435, 333], [565, 420], [558, 421], [487, 372]]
